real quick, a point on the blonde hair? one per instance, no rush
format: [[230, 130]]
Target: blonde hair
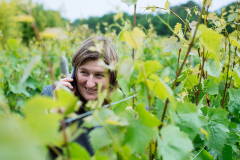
[[83, 53]]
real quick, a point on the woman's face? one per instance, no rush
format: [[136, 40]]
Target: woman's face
[[89, 75]]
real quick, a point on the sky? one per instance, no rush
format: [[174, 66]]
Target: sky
[[74, 9]]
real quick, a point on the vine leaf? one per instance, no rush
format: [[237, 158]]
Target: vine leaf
[[167, 6], [188, 118], [234, 42], [173, 144], [226, 153], [233, 104], [138, 135], [78, 152], [212, 41], [116, 96], [212, 87], [211, 67], [129, 2], [96, 141], [135, 38], [44, 125], [171, 44], [147, 118], [218, 128], [160, 89], [126, 68], [204, 155]]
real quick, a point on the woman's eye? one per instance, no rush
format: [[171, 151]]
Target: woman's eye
[[83, 73], [99, 75]]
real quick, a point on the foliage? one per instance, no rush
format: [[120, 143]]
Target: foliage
[[186, 88]]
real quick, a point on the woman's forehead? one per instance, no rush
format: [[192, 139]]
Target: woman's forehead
[[91, 65]]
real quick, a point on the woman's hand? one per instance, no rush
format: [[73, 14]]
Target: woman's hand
[[66, 82]]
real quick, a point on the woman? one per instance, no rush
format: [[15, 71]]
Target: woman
[[88, 75]]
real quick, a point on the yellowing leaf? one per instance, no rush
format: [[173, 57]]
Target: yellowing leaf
[[115, 120], [212, 41], [152, 66], [54, 33], [126, 68], [24, 18], [160, 89], [167, 6], [203, 131], [178, 26], [135, 38], [234, 42], [118, 15]]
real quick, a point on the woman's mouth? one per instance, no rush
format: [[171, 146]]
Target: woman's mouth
[[90, 90]]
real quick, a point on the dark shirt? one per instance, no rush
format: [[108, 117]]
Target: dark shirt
[[83, 139]]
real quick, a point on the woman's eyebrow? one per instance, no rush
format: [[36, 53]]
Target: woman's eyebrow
[[85, 69]]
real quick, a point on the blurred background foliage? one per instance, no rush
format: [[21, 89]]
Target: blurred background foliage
[[11, 28]]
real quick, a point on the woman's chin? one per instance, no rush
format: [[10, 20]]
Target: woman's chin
[[88, 98]]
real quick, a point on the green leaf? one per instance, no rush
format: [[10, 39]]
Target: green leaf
[[67, 100], [116, 96], [160, 89], [78, 152], [191, 81], [13, 43], [126, 68], [44, 125], [204, 155], [138, 135], [173, 144], [34, 61], [147, 118], [18, 89], [233, 138], [188, 118], [218, 128], [227, 153], [212, 69], [129, 2], [234, 101], [17, 142], [212, 41], [217, 101], [236, 75], [234, 42], [171, 44], [99, 138], [232, 17], [152, 66], [212, 87], [93, 121]]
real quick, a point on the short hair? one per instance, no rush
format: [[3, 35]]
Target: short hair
[[83, 53]]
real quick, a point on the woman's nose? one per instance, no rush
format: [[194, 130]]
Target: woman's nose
[[90, 82]]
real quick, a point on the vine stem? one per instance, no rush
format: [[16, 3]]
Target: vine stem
[[185, 58], [134, 24], [178, 59], [202, 72], [36, 31], [107, 88], [225, 90], [176, 16], [181, 21], [65, 138]]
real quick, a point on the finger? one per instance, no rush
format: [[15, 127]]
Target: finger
[[67, 84], [66, 80]]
